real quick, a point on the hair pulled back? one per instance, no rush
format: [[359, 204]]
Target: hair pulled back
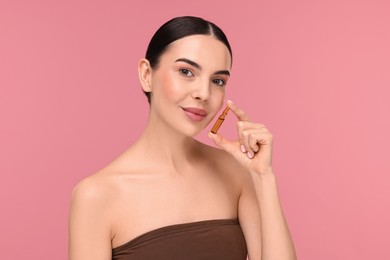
[[176, 29]]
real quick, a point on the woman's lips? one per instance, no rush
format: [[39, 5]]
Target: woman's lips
[[195, 114]]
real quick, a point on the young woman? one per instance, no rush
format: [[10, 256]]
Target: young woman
[[169, 196]]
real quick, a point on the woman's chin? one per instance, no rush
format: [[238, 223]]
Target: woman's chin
[[192, 132]]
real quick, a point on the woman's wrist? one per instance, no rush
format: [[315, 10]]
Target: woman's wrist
[[263, 173], [264, 180]]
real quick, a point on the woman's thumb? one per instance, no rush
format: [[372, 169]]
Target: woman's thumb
[[220, 141]]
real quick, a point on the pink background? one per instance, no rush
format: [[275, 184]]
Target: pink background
[[317, 73]]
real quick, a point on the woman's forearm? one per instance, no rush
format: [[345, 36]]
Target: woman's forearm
[[276, 239]]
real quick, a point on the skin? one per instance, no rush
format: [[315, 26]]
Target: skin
[[188, 181]]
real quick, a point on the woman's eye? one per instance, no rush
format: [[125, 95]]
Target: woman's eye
[[219, 82], [186, 73]]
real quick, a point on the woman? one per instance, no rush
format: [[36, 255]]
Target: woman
[[169, 196]]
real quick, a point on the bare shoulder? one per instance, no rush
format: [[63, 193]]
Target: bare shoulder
[[221, 157], [90, 218], [91, 203], [97, 189], [226, 164]]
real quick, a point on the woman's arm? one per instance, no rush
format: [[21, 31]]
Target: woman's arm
[[276, 238], [260, 211], [89, 231]]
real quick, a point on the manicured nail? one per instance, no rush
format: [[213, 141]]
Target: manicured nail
[[243, 149], [250, 155]]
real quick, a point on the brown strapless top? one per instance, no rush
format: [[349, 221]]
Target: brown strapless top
[[208, 239]]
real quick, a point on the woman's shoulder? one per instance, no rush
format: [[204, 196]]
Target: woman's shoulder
[[104, 186], [220, 156], [92, 208], [225, 162], [228, 167], [98, 188]]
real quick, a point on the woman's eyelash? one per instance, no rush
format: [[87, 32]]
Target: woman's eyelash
[[219, 82], [186, 72], [189, 74]]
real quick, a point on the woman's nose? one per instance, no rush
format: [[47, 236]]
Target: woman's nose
[[202, 91]]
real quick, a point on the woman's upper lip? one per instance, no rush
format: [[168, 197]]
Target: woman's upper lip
[[195, 110]]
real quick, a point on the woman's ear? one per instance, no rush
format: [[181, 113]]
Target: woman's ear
[[145, 75]]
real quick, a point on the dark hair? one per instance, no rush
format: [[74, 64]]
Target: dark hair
[[176, 29]]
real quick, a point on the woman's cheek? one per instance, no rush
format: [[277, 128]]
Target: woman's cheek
[[219, 96], [171, 88]]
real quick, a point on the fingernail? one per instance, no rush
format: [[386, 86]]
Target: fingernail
[[250, 155], [243, 149]]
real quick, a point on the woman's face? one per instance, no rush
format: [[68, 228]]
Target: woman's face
[[188, 85]]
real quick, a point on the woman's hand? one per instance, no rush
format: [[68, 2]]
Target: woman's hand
[[253, 149]]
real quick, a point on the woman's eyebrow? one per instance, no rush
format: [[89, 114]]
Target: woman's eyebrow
[[224, 72], [196, 65], [192, 63]]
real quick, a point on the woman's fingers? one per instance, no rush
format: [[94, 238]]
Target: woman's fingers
[[252, 139], [243, 125], [240, 114], [253, 142], [250, 134], [222, 142]]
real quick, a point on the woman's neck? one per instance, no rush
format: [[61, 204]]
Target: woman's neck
[[166, 147]]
